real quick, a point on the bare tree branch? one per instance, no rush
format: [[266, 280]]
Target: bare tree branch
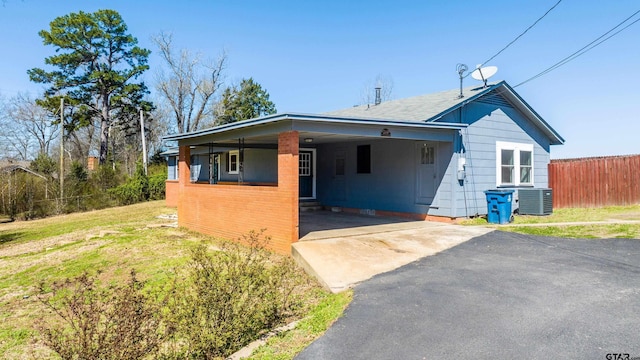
[[27, 128], [368, 95], [189, 85]]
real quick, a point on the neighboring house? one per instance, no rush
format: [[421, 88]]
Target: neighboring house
[[425, 157]]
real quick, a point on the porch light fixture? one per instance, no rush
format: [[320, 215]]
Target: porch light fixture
[[308, 140]]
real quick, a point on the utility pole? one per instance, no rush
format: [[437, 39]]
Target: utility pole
[[61, 150], [144, 142]]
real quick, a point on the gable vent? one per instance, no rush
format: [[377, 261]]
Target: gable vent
[[495, 99]]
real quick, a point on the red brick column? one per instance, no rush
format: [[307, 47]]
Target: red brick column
[[288, 150], [184, 175], [184, 165]]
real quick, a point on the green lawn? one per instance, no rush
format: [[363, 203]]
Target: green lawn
[[616, 215], [52, 249]]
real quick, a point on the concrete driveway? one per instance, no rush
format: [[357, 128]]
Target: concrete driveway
[[500, 295], [342, 250]]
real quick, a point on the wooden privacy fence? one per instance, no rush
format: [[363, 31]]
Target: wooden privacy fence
[[595, 182]]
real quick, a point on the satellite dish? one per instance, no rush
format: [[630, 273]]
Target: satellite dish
[[484, 73]]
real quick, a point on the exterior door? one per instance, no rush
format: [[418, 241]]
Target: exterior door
[[306, 173], [214, 168], [426, 172], [339, 191]]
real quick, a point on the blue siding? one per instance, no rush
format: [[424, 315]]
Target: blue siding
[[391, 185], [260, 165], [489, 124]]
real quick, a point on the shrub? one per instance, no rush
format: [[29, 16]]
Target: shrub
[[121, 322], [44, 165], [136, 189], [230, 297], [105, 177], [157, 186], [219, 303]]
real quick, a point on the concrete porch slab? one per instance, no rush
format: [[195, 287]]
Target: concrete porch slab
[[345, 249]]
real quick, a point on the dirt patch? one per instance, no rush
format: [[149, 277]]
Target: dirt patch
[[37, 246], [51, 258]]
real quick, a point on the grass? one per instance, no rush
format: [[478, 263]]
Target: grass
[[614, 214], [288, 344], [109, 242]]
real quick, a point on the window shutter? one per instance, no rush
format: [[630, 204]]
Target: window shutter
[[228, 161]]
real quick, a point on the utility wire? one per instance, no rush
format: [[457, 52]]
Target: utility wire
[[585, 48], [519, 36]]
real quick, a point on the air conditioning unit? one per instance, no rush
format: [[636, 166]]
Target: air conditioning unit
[[535, 201]]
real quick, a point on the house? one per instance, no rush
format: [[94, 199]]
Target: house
[[424, 157]]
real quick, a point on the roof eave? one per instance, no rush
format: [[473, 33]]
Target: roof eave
[[312, 117], [462, 103], [555, 138], [553, 135]]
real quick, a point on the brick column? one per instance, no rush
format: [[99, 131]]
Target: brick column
[[184, 165], [288, 180], [184, 174]]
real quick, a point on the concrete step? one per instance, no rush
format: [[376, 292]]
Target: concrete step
[[310, 206]]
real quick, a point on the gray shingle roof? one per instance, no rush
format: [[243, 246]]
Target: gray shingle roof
[[417, 108]]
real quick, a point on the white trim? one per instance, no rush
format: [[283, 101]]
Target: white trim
[[517, 148], [313, 172], [235, 153]]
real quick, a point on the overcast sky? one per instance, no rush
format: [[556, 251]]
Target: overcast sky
[[316, 56]]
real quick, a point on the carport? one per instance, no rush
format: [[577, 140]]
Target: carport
[[252, 174]]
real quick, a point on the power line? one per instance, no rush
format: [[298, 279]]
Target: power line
[[519, 36], [585, 48]]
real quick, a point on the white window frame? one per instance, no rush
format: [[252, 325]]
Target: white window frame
[[517, 148], [235, 153], [175, 172]]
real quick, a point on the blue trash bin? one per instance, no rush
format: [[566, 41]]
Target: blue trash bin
[[498, 206]]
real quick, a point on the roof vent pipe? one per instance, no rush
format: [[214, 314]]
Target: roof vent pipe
[[378, 98], [461, 69]]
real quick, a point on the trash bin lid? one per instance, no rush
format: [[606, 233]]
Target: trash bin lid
[[499, 191]]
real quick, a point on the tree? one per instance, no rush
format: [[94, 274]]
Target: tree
[[27, 128], [247, 101], [368, 95], [190, 84], [96, 64]]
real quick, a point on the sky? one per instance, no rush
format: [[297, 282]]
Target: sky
[[317, 56]]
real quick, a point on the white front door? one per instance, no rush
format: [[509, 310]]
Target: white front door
[[426, 172]]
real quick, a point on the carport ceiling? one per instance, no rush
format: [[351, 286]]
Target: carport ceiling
[[316, 138]]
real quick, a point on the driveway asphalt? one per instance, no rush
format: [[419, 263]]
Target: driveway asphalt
[[500, 295]]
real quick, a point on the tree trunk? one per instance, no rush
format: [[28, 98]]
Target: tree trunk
[[104, 130]]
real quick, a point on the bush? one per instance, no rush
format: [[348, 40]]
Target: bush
[[157, 186], [121, 322], [222, 301], [105, 177], [136, 189], [44, 165], [231, 297]]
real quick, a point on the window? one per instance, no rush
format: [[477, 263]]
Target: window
[[173, 168], [427, 155], [195, 168], [340, 164], [233, 162], [364, 159], [304, 168], [514, 165]]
